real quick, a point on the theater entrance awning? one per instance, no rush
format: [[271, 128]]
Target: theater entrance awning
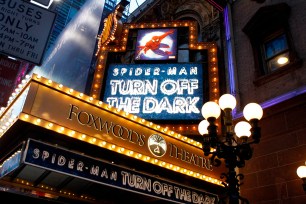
[[85, 148]]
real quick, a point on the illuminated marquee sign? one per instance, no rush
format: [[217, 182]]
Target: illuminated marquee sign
[[58, 159], [174, 91], [156, 44], [50, 105]]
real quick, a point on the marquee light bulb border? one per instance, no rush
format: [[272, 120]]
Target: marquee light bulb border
[[6, 122], [104, 49]]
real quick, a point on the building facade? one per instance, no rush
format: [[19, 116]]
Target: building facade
[[130, 159], [251, 37], [66, 10], [236, 44], [262, 32]]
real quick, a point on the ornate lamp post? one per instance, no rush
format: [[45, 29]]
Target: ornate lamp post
[[301, 172], [233, 145]]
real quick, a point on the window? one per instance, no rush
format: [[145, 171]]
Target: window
[[273, 48], [276, 53]]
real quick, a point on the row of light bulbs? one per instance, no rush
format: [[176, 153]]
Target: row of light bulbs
[[115, 148], [103, 50], [60, 129], [49, 188]]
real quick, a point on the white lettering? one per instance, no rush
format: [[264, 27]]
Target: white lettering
[[182, 194], [133, 87], [136, 181], [61, 160], [71, 164], [45, 155], [162, 188], [170, 87], [177, 105]]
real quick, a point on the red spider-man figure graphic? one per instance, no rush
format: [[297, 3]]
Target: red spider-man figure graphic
[[155, 44]]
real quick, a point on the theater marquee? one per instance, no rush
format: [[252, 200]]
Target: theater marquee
[[60, 109]]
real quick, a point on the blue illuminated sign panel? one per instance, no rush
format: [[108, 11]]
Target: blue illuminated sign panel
[[156, 91], [10, 164]]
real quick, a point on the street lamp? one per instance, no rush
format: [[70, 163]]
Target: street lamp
[[233, 145], [301, 172]]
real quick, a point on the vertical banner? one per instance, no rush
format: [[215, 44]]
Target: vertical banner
[[8, 72]]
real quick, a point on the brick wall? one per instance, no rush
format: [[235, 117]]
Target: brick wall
[[270, 176]]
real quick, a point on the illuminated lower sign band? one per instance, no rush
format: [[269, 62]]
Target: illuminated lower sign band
[[58, 159]]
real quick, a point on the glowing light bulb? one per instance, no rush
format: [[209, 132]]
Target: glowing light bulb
[[282, 60]]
